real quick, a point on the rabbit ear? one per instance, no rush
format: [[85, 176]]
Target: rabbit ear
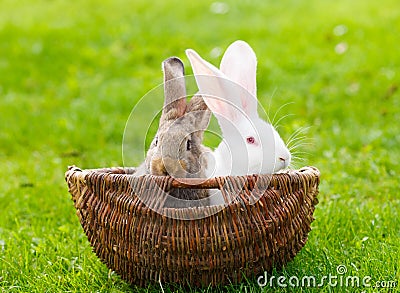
[[202, 114], [215, 88], [239, 64], [174, 89]]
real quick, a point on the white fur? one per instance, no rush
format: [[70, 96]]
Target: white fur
[[230, 93]]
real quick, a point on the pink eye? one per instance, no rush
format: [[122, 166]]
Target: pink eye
[[250, 140]]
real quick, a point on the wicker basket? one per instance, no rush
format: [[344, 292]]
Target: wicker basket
[[242, 240]]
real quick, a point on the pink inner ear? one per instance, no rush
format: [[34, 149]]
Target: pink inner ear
[[242, 71], [239, 64], [215, 87], [221, 107]]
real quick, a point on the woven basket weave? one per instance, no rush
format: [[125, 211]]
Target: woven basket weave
[[242, 240]]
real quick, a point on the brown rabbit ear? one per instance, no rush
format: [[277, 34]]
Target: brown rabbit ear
[[201, 113], [174, 89]]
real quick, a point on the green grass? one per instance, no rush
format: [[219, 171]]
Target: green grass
[[70, 73]]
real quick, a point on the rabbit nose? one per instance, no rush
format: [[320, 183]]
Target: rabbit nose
[[168, 166], [158, 167], [284, 161]]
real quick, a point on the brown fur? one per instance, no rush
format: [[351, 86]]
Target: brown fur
[[180, 122]]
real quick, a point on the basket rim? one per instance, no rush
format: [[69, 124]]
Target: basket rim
[[238, 237], [193, 183]]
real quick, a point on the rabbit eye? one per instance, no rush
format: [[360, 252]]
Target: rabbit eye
[[188, 145], [250, 140], [156, 141]]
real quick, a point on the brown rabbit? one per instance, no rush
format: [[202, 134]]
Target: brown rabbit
[[177, 149]]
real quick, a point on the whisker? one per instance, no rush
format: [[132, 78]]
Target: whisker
[[302, 140], [294, 165], [276, 124], [299, 131], [279, 109], [270, 102], [292, 137], [297, 136], [297, 163], [299, 140], [299, 146], [295, 158], [300, 153]]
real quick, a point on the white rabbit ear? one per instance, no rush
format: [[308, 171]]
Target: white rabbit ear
[[239, 64], [217, 90]]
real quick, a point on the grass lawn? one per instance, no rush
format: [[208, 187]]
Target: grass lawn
[[70, 73]]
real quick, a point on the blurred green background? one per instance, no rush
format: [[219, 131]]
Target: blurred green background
[[71, 72]]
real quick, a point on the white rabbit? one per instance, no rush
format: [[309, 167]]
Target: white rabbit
[[250, 145]]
